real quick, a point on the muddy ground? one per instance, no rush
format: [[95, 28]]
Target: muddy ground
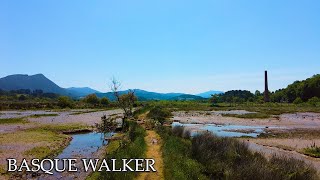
[[283, 138], [18, 138]]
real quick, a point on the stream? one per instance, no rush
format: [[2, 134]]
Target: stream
[[84, 145]]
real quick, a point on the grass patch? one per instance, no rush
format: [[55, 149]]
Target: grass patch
[[68, 127], [84, 112], [31, 136], [176, 153], [38, 152], [313, 151], [48, 143], [48, 151], [43, 115], [2, 170], [225, 158], [249, 115], [13, 121], [265, 108], [294, 133], [113, 146], [228, 158], [130, 147]]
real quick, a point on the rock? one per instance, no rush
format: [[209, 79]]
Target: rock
[[154, 141]]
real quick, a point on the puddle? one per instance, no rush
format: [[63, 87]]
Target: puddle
[[225, 130]]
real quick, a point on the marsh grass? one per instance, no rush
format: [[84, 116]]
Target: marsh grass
[[228, 158], [313, 151], [43, 115], [65, 127], [13, 121], [30, 136], [89, 111], [294, 133], [176, 153], [249, 115], [264, 108]]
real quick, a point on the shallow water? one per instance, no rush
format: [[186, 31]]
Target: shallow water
[[82, 145], [224, 130]]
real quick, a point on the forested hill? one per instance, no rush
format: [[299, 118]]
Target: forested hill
[[299, 90]]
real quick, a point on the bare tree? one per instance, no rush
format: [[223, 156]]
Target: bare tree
[[107, 125], [125, 101]]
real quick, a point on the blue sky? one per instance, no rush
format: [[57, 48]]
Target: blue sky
[[162, 45]]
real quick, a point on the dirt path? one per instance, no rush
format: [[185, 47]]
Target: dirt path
[[153, 141]]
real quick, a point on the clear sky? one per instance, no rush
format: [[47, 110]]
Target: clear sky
[[162, 45]]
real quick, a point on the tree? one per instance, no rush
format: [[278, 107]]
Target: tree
[[257, 93], [107, 124], [214, 99], [104, 101], [92, 99], [125, 101], [65, 101]]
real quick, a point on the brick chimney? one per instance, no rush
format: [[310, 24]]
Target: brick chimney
[[266, 90]]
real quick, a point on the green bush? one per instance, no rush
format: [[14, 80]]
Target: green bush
[[92, 99], [315, 101], [176, 152], [159, 114], [104, 101], [65, 101], [298, 100]]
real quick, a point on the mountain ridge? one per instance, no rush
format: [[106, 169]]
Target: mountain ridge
[[39, 81], [208, 94]]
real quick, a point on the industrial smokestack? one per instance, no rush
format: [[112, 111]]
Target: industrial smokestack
[[266, 90]]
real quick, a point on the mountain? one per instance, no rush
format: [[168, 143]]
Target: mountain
[[81, 91], [208, 93], [33, 82], [39, 81], [187, 97], [146, 95]]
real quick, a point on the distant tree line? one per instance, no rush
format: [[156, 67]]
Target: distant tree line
[[28, 99], [298, 92]]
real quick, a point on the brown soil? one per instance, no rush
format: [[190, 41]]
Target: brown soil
[[153, 141]]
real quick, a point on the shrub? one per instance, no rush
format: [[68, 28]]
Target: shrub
[[159, 114], [104, 101], [177, 158], [298, 100], [180, 131], [228, 158], [65, 101], [92, 99], [314, 101]]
